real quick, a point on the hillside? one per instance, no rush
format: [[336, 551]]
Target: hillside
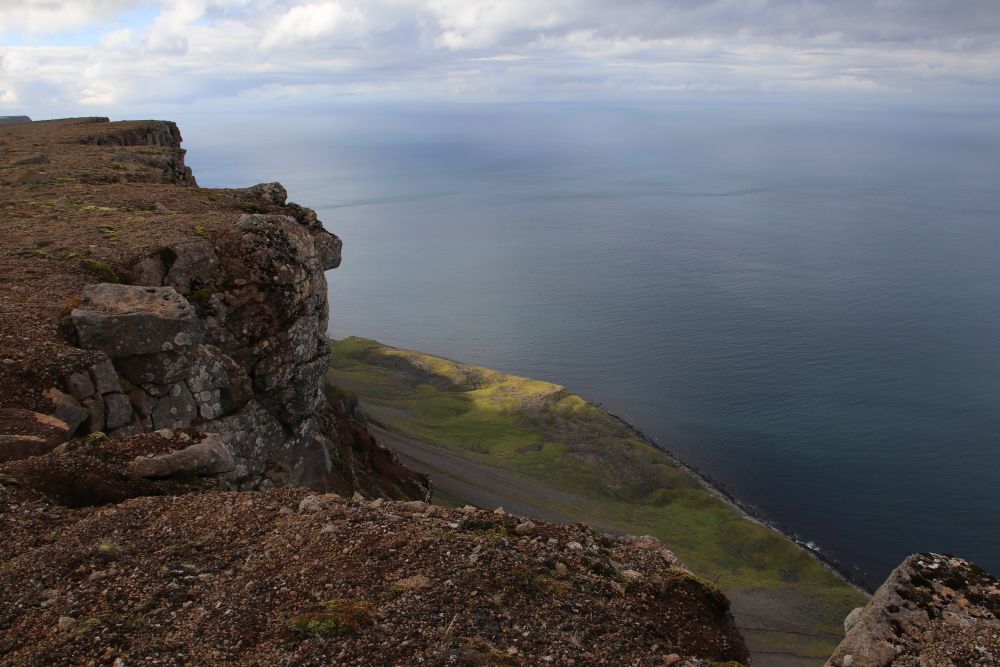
[[531, 446]]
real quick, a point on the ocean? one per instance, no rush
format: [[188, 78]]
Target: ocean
[[802, 303]]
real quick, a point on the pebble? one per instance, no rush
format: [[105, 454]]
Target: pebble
[[561, 569], [525, 528], [66, 623], [671, 659], [574, 546], [848, 660]]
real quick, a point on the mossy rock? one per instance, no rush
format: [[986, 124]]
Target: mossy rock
[[101, 270]]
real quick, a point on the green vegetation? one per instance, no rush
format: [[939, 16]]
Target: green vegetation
[[88, 626], [109, 551], [338, 617], [100, 269], [617, 480]]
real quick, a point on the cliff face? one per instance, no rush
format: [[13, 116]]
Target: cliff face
[[200, 309]]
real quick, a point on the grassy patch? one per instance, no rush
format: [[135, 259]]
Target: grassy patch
[[337, 618], [541, 432], [101, 270]]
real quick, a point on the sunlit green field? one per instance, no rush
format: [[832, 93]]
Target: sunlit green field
[[540, 431]]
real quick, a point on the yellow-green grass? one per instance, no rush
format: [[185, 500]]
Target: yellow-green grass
[[541, 432]]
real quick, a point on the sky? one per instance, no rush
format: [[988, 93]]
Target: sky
[[107, 57]]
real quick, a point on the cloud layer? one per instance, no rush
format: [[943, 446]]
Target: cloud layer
[[125, 53]]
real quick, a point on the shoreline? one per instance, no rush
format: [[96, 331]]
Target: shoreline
[[748, 512]]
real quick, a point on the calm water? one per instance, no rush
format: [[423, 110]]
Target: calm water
[[802, 304]]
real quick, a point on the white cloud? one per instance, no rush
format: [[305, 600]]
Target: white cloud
[[190, 50], [48, 17], [310, 22]]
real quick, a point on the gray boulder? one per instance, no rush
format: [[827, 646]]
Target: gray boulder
[[128, 320]]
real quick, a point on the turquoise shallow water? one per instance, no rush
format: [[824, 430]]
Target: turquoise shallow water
[[803, 305]]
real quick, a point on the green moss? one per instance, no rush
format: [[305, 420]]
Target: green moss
[[100, 270], [251, 207], [88, 626], [201, 231], [338, 618], [109, 551], [117, 165]]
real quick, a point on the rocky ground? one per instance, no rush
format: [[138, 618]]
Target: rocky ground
[[287, 577]]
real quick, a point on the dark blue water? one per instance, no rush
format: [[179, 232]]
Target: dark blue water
[[803, 304]]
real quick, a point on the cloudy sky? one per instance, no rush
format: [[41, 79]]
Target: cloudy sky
[[115, 55]]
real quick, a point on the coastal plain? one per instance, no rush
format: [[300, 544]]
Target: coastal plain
[[486, 437]]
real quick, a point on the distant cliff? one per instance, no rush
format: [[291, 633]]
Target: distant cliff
[[10, 120]]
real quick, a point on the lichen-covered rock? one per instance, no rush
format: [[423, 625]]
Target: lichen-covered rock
[[934, 609], [176, 409], [129, 320], [218, 384], [195, 266]]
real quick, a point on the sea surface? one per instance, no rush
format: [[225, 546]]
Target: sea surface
[[804, 304]]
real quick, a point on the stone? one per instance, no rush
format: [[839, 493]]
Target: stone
[[129, 320], [195, 266], [414, 583], [66, 623], [524, 528], [852, 618], [211, 456], [254, 434], [273, 194], [155, 369], [105, 377], [907, 615], [671, 659], [311, 504], [217, 383], [561, 569], [411, 506], [117, 411], [574, 546], [175, 410], [95, 406], [328, 249], [67, 409], [632, 575], [147, 272], [80, 385]]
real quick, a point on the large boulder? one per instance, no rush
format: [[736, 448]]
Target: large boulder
[[934, 609], [130, 320]]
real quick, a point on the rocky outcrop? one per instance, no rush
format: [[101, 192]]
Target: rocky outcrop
[[227, 335], [933, 610], [11, 120]]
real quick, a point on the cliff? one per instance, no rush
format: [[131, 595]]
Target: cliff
[[135, 302]]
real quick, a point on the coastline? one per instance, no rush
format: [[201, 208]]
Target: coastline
[[748, 512]]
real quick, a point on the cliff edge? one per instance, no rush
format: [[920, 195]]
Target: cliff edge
[[136, 302]]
